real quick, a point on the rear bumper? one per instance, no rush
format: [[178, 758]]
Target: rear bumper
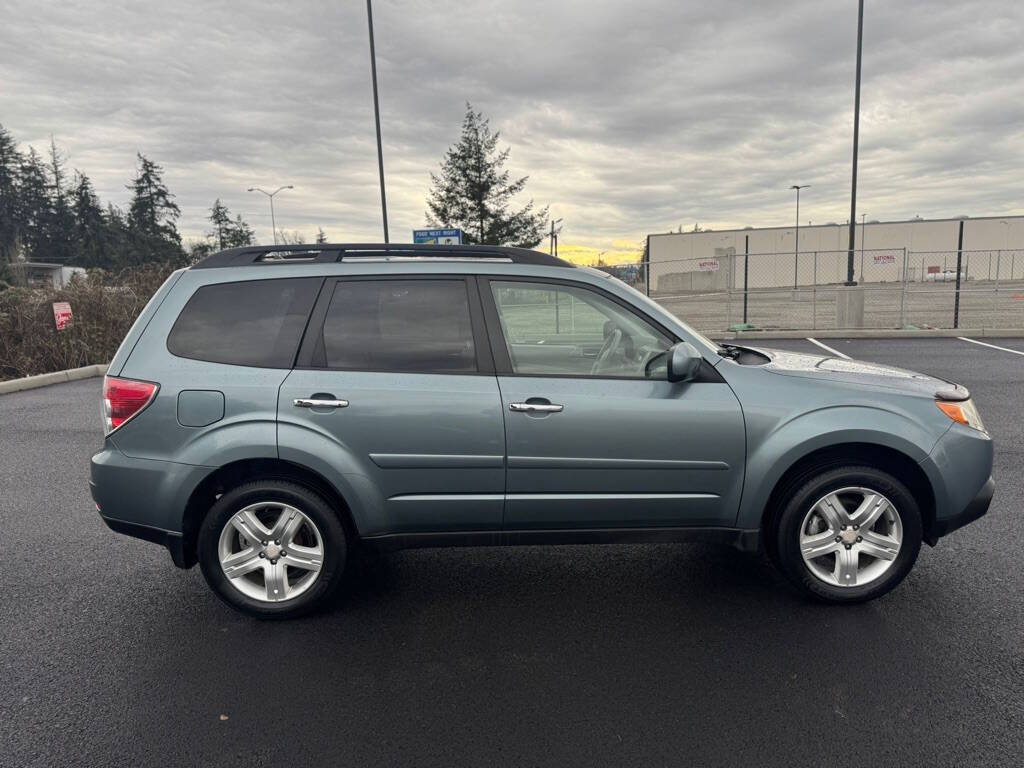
[[145, 498], [173, 541], [977, 507]]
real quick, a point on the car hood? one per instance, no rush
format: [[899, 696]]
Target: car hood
[[827, 367]]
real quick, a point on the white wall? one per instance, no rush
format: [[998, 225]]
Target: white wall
[[929, 243]]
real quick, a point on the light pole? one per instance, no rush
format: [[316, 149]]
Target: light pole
[[376, 117], [796, 245], [856, 139], [273, 222]]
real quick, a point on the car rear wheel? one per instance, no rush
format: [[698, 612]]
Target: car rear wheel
[[848, 534], [272, 549]]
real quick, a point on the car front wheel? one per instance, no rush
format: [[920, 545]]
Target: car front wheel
[[848, 534]]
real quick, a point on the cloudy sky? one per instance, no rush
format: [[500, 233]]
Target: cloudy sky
[[630, 116]]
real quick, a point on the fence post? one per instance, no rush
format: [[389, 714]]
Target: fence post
[[746, 274], [959, 262], [903, 292], [999, 258], [814, 294]]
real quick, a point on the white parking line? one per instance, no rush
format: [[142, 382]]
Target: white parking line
[[993, 346], [835, 352]]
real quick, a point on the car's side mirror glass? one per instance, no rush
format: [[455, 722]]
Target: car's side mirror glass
[[683, 362]]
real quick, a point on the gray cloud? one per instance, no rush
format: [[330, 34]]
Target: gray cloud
[[630, 117]]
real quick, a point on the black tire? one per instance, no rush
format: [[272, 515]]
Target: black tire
[[785, 532], [313, 506]]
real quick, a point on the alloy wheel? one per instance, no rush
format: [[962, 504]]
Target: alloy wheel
[[270, 551], [851, 537]]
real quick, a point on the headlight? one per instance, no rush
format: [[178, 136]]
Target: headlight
[[963, 412]]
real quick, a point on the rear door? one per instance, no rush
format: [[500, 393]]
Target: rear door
[[596, 436], [397, 373]]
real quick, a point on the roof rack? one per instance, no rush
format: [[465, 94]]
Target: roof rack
[[328, 253]]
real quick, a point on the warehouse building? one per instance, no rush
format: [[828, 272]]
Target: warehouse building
[[917, 250]]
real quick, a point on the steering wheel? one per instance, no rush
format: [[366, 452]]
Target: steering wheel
[[611, 345]]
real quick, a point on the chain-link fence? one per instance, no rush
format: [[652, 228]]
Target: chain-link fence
[[896, 288]]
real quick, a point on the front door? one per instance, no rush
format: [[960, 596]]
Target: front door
[[596, 436], [398, 379]]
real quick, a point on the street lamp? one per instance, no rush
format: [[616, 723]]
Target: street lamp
[[376, 118], [796, 245], [273, 223], [856, 140]]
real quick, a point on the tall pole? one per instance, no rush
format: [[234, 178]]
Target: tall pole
[[856, 140], [796, 245], [273, 221], [376, 117], [270, 195]]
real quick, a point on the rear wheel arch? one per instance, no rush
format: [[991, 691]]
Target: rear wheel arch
[[239, 472], [880, 457]]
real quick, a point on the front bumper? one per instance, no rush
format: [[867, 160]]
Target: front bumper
[[960, 471], [977, 507]]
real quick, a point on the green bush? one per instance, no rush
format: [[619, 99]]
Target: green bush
[[104, 306]]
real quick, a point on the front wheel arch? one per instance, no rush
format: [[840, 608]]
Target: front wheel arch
[[880, 457]]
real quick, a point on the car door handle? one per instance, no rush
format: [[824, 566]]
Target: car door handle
[[535, 407], [305, 402]]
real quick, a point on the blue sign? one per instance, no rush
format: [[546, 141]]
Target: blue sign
[[437, 236]]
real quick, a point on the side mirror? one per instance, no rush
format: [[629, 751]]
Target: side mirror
[[683, 362]]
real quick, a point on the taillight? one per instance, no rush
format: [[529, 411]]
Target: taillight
[[123, 399]]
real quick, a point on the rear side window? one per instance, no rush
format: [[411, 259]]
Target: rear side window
[[256, 323], [399, 325]]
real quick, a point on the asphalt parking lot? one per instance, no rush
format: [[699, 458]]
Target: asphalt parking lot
[[605, 655]]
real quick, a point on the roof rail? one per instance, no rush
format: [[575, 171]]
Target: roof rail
[[327, 253]]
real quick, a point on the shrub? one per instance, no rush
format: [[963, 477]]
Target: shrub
[[104, 306]]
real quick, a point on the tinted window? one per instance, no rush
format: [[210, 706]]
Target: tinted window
[[399, 325], [569, 331], [257, 322]]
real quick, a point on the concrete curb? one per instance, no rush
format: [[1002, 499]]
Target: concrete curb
[[877, 333], [46, 379]]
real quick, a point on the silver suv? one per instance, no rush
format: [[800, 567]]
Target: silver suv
[[273, 408]]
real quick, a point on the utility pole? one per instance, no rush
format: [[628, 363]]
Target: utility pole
[[273, 222], [796, 245], [856, 139], [553, 244], [376, 117]]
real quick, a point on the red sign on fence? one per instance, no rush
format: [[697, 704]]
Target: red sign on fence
[[708, 265], [885, 258], [62, 315]]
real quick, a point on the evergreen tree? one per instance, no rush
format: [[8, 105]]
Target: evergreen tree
[[34, 206], [153, 234], [474, 192], [10, 163], [321, 236], [240, 233], [91, 237], [228, 233], [220, 217], [60, 223], [118, 238]]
